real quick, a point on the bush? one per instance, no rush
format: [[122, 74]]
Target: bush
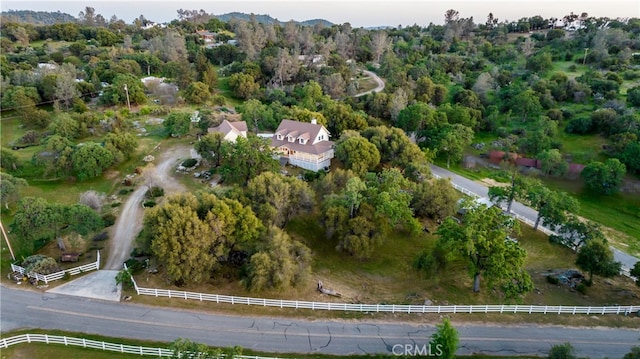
[[553, 280], [582, 288], [115, 204], [581, 125], [109, 219], [125, 191], [101, 237], [145, 110], [189, 163], [155, 191], [149, 204], [134, 265]]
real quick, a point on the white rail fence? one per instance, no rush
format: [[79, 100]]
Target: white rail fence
[[95, 344], [387, 308], [59, 275]]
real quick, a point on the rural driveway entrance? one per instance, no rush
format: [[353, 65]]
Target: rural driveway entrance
[[129, 223]]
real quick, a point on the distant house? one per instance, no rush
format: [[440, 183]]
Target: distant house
[[206, 36], [230, 130], [304, 144]]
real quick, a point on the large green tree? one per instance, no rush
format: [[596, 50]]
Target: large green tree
[[604, 178], [596, 257], [123, 145], [510, 193], [246, 158], [552, 206], [181, 245], [482, 240], [90, 160], [434, 199], [178, 123], [193, 235], [10, 189], [277, 199], [197, 93], [575, 232], [453, 140], [281, 263], [357, 154], [116, 94], [552, 163], [209, 147], [243, 85]]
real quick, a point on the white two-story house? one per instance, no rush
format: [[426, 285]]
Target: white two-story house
[[304, 144]]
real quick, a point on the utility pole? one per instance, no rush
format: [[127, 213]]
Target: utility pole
[[126, 89], [584, 61], [7, 240]]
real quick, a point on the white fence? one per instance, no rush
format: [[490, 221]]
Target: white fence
[[59, 275], [386, 308], [94, 344]]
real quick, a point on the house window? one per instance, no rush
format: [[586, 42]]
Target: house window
[[279, 137], [290, 138], [321, 138], [302, 141]]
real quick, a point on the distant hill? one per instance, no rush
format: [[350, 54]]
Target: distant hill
[[266, 19], [35, 17]]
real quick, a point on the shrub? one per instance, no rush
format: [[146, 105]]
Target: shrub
[[581, 125], [109, 219], [115, 204], [101, 237], [582, 288], [553, 280], [149, 204], [145, 110], [124, 192], [189, 163], [155, 192]]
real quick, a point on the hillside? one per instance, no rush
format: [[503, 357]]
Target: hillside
[[36, 17], [267, 19]]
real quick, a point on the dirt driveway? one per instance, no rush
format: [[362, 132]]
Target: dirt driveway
[[129, 222]]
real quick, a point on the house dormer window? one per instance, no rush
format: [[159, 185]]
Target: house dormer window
[[279, 137], [290, 138], [302, 141]]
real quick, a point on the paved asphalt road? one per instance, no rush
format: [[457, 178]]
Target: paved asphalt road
[[627, 260], [28, 309]]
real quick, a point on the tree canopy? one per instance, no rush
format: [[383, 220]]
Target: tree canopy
[[483, 241]]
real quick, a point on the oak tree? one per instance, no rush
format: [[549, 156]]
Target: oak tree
[[482, 240]]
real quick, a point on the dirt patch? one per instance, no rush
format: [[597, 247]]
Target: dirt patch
[[490, 182]]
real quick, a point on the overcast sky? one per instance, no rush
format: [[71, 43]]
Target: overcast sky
[[359, 13]]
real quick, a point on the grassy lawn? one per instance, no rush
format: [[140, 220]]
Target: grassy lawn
[[565, 66], [581, 148], [620, 212], [223, 85]]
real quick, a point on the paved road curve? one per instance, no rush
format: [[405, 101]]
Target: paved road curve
[[627, 260], [28, 309]]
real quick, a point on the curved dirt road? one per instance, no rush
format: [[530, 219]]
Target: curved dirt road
[[377, 79], [129, 222]]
